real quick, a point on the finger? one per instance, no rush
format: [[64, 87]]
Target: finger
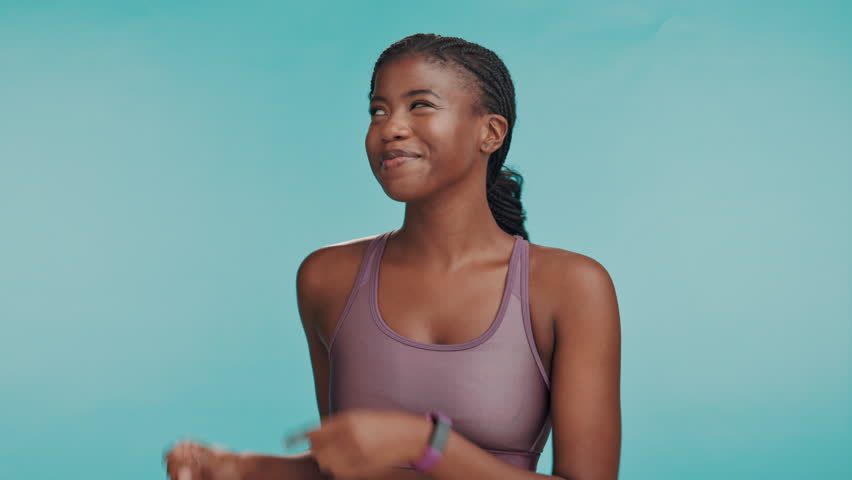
[[317, 439], [184, 473], [168, 448], [320, 458], [295, 439], [172, 469], [333, 463], [218, 447]]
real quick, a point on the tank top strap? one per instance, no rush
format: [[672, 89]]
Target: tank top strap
[[368, 262], [524, 285], [365, 271], [519, 265]]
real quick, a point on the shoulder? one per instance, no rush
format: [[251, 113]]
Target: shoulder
[[564, 268], [324, 261], [325, 275], [571, 280], [585, 383]]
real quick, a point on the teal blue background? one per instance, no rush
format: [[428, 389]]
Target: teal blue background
[[165, 167]]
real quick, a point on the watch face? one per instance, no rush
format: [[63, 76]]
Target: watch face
[[440, 435]]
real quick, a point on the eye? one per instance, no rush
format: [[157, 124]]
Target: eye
[[373, 110]]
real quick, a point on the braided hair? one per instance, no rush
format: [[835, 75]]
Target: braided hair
[[496, 94]]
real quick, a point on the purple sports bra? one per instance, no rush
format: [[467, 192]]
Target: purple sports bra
[[493, 387]]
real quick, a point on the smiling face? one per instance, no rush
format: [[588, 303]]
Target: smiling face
[[426, 108]]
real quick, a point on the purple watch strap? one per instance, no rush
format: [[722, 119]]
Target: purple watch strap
[[437, 442], [428, 460]]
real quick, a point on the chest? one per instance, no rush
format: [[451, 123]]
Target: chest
[[458, 308]]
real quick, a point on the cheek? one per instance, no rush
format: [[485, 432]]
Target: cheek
[[372, 143], [370, 138], [450, 142]]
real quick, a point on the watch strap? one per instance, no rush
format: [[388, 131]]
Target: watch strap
[[442, 425]]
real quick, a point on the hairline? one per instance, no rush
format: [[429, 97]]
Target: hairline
[[468, 79]]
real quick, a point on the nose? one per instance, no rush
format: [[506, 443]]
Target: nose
[[394, 129]]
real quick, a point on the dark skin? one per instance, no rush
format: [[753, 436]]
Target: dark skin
[[451, 248]]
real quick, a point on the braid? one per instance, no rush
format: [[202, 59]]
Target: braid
[[496, 94]]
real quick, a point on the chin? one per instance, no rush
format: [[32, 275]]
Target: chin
[[405, 195]]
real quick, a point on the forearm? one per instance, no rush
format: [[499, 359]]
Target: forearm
[[301, 466], [464, 460]]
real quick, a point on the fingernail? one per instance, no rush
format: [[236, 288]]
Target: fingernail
[[184, 473]]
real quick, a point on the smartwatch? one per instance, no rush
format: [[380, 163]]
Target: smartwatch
[[437, 442]]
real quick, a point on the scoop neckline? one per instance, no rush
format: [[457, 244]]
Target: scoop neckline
[[384, 327]]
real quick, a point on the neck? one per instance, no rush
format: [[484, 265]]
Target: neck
[[448, 232]]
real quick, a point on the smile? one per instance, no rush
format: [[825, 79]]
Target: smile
[[396, 162]]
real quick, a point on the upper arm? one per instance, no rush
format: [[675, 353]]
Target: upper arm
[[585, 377], [310, 280]]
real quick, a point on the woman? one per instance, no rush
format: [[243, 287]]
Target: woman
[[455, 312]]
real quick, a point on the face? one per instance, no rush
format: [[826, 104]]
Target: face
[[424, 108]]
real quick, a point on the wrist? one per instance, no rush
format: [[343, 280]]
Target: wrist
[[421, 430], [437, 443]]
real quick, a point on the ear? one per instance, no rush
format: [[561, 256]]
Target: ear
[[492, 133]]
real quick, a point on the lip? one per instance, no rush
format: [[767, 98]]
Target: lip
[[389, 154], [396, 163], [393, 159]]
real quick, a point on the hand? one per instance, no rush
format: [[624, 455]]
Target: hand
[[362, 443], [193, 461]]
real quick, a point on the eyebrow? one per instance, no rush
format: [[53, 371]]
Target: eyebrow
[[408, 94]]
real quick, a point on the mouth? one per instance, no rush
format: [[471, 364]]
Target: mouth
[[397, 161]]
